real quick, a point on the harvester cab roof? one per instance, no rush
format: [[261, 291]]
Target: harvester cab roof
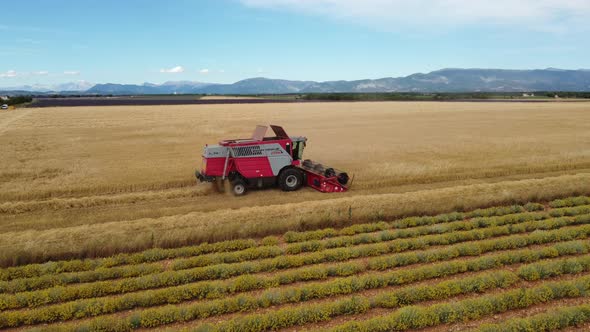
[[259, 135], [261, 161]]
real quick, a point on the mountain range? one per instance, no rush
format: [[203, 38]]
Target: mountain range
[[444, 80]]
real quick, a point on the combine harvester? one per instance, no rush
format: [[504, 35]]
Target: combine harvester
[[267, 161]]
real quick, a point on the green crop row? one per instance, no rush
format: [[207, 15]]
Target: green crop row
[[414, 317], [407, 317], [569, 211], [222, 271], [46, 281], [430, 220], [441, 290], [157, 254], [570, 201], [270, 250], [383, 244], [213, 290], [152, 255], [554, 319], [52, 280], [341, 242], [388, 235], [548, 269], [291, 236]]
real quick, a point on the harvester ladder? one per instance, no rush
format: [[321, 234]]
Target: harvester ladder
[[229, 152]]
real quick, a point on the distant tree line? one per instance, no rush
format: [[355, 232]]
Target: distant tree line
[[379, 96], [567, 94], [15, 100]]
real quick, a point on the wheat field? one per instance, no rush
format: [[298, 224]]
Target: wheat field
[[94, 181]]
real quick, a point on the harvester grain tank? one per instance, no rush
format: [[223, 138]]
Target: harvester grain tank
[[261, 161]]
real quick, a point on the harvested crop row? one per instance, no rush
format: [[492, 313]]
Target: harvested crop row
[[406, 317], [555, 319], [93, 307], [172, 278]]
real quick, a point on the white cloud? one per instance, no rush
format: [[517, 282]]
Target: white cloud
[[221, 71], [71, 72], [204, 71], [40, 73], [177, 69], [544, 15], [10, 73]]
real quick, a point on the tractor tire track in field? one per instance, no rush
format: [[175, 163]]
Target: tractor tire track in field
[[16, 207]]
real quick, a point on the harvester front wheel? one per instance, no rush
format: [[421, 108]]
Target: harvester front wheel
[[290, 179], [238, 187]]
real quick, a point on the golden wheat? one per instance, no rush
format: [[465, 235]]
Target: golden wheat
[[88, 181]]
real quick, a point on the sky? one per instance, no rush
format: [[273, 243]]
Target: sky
[[46, 42]]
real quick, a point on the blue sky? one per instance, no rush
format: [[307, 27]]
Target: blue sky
[[133, 41]]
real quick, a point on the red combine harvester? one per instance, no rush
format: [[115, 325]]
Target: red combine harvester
[[267, 161]]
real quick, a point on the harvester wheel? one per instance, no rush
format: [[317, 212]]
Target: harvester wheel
[[330, 172], [343, 178], [290, 179], [238, 187]]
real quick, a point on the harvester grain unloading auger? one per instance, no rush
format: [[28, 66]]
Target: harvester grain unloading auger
[[261, 161]]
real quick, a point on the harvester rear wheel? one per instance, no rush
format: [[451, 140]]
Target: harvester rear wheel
[[290, 179], [238, 187], [343, 178]]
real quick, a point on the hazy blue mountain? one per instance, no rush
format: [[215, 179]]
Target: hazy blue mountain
[[123, 89], [444, 80], [455, 80], [68, 86], [73, 86], [182, 86], [257, 85], [148, 88]]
